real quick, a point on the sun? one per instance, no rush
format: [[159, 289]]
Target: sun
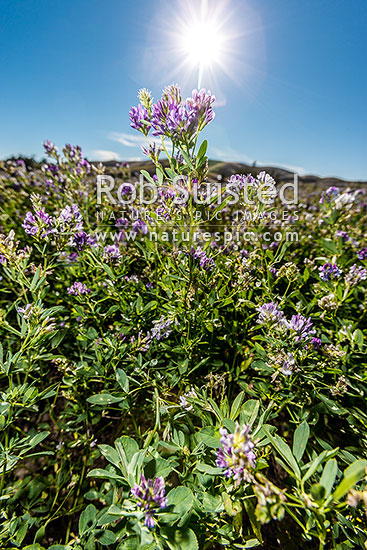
[[203, 44], [201, 37], [209, 42]]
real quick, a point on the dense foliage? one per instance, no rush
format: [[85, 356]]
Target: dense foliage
[[179, 392]]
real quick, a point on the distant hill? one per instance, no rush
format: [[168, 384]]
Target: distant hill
[[281, 175]]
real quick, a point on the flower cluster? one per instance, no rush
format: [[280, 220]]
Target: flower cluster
[[66, 226], [270, 314], [161, 329], [78, 288], [355, 275], [329, 195], [81, 239], [74, 162], [184, 403], [329, 272], [39, 224], [70, 219], [151, 496], [300, 328], [362, 254], [337, 200], [236, 453], [111, 253], [50, 148], [172, 117], [26, 312], [282, 362], [203, 260]]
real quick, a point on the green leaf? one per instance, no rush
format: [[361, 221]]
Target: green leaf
[[35, 279], [58, 338], [87, 519], [206, 435], [181, 499], [249, 411], [107, 537], [300, 439], [129, 446], [354, 473], [236, 406], [329, 246], [284, 451], [207, 469], [328, 475], [104, 399], [251, 543], [37, 439], [110, 454], [315, 463], [202, 151], [122, 379], [105, 474], [147, 176], [181, 539], [255, 524]]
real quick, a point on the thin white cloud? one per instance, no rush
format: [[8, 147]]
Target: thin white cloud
[[296, 169], [220, 102], [138, 140], [103, 155], [127, 139]]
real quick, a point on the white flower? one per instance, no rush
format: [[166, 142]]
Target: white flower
[[345, 200]]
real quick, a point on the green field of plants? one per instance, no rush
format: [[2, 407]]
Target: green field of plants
[[176, 372]]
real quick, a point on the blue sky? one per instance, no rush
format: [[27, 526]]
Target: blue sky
[[293, 92]]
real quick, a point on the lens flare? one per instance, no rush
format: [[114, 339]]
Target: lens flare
[[201, 39], [206, 44]]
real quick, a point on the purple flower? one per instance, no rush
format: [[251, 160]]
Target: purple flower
[[301, 327], [50, 148], [2, 259], [152, 152], [81, 239], [343, 235], [288, 365], [355, 275], [122, 222], [200, 111], [39, 224], [140, 119], [175, 119], [316, 343], [236, 454], [73, 153], [77, 289], [362, 254], [161, 329], [26, 311], [242, 181], [203, 260], [140, 226], [111, 253], [73, 257], [70, 219], [151, 496], [329, 272], [270, 314], [329, 195]]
